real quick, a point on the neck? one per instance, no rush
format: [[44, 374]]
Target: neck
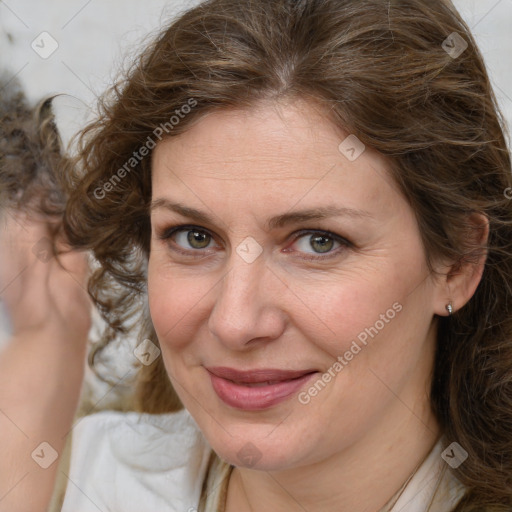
[[364, 477]]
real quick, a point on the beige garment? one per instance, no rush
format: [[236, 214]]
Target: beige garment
[[431, 488], [213, 497]]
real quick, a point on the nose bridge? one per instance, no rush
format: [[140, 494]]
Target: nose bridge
[[244, 309]]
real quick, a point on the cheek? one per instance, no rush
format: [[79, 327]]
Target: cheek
[[176, 305], [371, 320], [352, 306], [388, 341]]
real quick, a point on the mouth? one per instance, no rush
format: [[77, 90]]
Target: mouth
[[257, 389]]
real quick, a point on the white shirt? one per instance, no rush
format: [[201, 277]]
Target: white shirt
[[132, 462]]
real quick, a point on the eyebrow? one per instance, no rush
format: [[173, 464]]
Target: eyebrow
[[278, 221]]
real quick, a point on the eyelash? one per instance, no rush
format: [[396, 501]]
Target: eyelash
[[169, 232]]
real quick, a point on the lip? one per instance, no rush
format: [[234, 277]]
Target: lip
[[257, 389]]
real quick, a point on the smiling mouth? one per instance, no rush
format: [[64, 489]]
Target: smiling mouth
[[257, 389], [260, 384], [258, 375]]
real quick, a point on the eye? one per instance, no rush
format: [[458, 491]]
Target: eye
[[317, 243], [187, 239], [194, 241]]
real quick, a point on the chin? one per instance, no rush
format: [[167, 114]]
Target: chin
[[255, 449], [254, 456]]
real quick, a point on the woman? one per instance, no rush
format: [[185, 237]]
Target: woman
[[305, 201]]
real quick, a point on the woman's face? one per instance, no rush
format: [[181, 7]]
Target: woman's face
[[288, 287]]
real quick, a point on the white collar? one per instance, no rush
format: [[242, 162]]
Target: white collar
[[432, 488]]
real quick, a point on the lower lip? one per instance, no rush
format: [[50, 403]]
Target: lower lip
[[256, 398]]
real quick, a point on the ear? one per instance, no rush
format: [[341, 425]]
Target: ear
[[459, 280]]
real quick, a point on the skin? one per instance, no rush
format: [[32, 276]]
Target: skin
[[372, 425], [42, 364]]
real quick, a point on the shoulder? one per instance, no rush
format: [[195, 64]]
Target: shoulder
[[136, 461], [136, 438]]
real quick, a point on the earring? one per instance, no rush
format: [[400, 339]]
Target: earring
[[449, 308]]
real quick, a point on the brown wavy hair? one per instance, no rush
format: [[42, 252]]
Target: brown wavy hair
[[30, 155], [380, 70]]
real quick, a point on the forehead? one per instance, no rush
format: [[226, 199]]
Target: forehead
[[269, 130], [286, 152]]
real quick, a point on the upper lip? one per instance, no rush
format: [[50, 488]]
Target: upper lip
[[257, 374]]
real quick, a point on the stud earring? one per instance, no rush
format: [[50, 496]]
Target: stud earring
[[449, 308]]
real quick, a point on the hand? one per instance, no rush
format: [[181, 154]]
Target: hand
[[42, 295], [42, 364]]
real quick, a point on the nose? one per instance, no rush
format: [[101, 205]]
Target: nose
[[247, 306]]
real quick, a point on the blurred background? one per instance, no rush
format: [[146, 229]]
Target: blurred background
[[77, 47]]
